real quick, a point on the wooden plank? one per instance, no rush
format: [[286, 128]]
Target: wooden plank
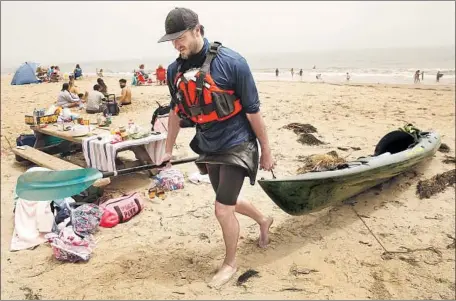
[[43, 159]]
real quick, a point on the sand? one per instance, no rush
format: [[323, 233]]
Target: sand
[[174, 246]]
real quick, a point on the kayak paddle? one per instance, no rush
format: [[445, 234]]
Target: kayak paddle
[[54, 185]]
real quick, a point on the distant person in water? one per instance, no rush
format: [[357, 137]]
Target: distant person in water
[[348, 76], [417, 77], [422, 75], [438, 76], [277, 72], [300, 73], [292, 72]]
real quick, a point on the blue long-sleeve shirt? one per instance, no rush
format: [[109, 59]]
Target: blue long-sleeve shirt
[[229, 71]]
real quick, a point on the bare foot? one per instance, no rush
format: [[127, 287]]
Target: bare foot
[[264, 232], [224, 274]]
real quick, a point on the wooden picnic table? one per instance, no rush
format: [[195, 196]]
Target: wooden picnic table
[[55, 130]]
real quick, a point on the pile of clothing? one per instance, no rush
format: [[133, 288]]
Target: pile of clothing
[[69, 224], [67, 227], [72, 237]]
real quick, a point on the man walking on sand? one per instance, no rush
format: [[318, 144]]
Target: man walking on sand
[[213, 87]]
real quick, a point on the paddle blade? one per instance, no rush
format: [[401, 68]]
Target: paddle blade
[[53, 185]]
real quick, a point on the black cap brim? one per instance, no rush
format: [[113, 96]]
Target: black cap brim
[[171, 36]]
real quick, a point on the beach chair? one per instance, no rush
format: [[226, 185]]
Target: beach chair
[[141, 80], [160, 74]]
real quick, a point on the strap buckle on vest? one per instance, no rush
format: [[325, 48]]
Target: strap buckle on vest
[[201, 110], [214, 47]]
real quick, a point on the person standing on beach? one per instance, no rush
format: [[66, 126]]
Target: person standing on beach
[[277, 72], [292, 72], [224, 133], [438, 76], [417, 77], [422, 75]]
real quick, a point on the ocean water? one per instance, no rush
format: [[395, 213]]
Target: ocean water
[[389, 66]]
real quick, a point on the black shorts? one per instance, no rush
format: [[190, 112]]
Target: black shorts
[[227, 182]]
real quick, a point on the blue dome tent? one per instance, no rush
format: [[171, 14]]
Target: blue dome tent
[[25, 74]]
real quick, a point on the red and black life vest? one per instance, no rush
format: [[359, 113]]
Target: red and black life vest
[[198, 96]]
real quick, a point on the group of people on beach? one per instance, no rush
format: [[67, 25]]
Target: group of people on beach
[[418, 73], [291, 71], [141, 77], [212, 89], [53, 73], [317, 76], [94, 100]]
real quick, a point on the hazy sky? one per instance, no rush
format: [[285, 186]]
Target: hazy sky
[[59, 32]]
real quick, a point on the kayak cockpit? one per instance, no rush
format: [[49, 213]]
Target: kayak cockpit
[[395, 142]]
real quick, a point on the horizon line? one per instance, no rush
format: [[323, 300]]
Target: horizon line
[[251, 53]]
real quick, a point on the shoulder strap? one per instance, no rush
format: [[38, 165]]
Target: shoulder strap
[[213, 50], [205, 69]]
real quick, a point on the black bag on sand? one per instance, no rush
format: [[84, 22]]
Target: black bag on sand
[[160, 111], [163, 111], [90, 195], [111, 106]]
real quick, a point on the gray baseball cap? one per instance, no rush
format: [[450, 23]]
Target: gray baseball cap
[[178, 21]]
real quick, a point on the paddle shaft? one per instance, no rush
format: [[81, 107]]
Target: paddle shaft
[[145, 167]]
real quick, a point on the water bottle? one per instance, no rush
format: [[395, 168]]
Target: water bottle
[[35, 116], [60, 123]]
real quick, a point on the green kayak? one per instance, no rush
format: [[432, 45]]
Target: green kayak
[[395, 153]]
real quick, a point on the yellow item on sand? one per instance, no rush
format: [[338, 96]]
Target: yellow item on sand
[[58, 110]]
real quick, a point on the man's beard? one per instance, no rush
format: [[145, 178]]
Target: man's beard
[[192, 51]]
